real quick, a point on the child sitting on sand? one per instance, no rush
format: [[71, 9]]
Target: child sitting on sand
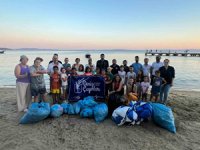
[[64, 80], [55, 85], [156, 86], [144, 88], [131, 90]]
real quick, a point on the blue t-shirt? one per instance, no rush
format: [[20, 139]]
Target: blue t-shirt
[[137, 67], [157, 82]]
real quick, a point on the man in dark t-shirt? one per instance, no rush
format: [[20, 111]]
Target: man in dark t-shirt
[[168, 73], [115, 67], [102, 63]]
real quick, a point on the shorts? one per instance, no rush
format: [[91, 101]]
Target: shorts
[[55, 91], [36, 92], [155, 94], [64, 87]]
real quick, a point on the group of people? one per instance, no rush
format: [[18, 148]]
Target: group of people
[[120, 79]]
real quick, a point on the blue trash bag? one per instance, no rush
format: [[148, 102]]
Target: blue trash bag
[[36, 113], [100, 112], [89, 102], [163, 116], [77, 107], [65, 107], [144, 110], [71, 110], [56, 111], [87, 113]]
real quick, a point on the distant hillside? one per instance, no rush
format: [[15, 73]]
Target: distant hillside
[[5, 48]]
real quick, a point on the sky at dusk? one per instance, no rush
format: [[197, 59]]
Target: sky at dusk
[[100, 24]]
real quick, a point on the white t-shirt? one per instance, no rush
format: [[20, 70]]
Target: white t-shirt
[[51, 65], [146, 69], [122, 74], [131, 74], [145, 86], [156, 66], [63, 75], [87, 65]]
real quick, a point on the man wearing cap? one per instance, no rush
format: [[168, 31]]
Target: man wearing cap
[[102, 63], [37, 79], [155, 66]]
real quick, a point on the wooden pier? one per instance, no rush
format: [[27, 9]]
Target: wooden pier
[[172, 53]]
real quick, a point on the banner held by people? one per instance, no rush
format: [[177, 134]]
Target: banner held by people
[[83, 86]]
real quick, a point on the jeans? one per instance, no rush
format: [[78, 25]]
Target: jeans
[[164, 92]]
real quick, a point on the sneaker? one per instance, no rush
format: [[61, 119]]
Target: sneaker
[[25, 110]]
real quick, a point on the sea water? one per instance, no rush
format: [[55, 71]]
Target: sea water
[[187, 69]]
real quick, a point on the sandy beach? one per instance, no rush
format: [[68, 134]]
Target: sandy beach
[[72, 132]]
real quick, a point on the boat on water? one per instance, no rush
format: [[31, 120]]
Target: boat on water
[[2, 51]]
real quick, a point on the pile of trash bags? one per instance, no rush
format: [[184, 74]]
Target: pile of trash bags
[[87, 108], [137, 112]]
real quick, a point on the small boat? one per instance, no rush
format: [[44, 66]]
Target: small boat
[[1, 51]]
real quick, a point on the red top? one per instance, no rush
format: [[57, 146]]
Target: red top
[[116, 86], [55, 83], [88, 74]]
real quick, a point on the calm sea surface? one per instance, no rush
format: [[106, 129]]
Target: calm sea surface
[[187, 68]]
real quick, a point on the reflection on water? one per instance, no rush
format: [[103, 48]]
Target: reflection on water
[[187, 68]]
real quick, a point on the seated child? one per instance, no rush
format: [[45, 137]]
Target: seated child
[[156, 86], [131, 89], [55, 85], [144, 88]]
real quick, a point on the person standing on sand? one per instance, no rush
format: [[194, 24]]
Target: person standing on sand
[[54, 62], [168, 73], [102, 63], [23, 90], [155, 66], [37, 79], [77, 64], [146, 68], [66, 64], [126, 67], [137, 66], [115, 67]]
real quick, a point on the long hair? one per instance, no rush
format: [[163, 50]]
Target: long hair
[[114, 79]]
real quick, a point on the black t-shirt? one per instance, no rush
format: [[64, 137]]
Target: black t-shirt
[[126, 69], [115, 69], [167, 74], [102, 64]]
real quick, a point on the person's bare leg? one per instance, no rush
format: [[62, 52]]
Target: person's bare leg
[[35, 99]]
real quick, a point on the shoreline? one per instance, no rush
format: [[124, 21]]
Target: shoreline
[[172, 91]]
